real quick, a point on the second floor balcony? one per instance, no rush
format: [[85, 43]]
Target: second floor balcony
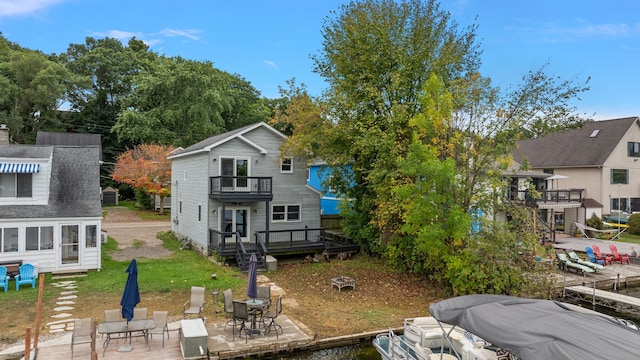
[[573, 196], [240, 188]]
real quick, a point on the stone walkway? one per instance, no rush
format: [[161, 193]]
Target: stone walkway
[[63, 317]]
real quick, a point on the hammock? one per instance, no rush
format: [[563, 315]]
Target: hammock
[[584, 228]]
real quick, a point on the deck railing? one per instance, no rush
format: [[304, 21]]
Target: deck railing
[[243, 187]]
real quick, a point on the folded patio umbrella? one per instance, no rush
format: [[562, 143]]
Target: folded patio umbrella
[[131, 294], [252, 285]]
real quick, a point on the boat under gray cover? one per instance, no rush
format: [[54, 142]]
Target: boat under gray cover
[[540, 329]]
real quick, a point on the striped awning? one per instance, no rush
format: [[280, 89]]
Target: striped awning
[[19, 168]]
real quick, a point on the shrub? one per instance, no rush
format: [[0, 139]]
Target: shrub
[[634, 224], [595, 222]]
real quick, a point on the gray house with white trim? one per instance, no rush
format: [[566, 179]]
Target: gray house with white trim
[[238, 183], [50, 211]]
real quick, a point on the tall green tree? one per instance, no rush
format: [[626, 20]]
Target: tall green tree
[[180, 102], [32, 90], [376, 56], [108, 68]]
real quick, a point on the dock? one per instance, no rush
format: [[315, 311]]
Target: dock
[[612, 300]]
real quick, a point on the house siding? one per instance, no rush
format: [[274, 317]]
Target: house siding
[[261, 147], [190, 185]]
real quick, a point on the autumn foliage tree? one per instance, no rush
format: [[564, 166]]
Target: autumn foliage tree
[[146, 168]]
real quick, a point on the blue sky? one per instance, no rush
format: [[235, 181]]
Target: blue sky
[[268, 42]]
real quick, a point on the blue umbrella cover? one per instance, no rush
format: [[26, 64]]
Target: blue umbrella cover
[[131, 294], [252, 284]]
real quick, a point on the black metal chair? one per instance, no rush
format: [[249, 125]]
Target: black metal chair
[[240, 319]]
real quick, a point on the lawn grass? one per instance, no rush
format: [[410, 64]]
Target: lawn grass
[[164, 284]]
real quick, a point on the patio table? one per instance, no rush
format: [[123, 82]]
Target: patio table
[[124, 327]]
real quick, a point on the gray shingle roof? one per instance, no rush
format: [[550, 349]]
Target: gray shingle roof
[[62, 138], [75, 182], [576, 147]]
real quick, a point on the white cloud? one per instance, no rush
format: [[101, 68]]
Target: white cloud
[[188, 33], [271, 64], [24, 7]]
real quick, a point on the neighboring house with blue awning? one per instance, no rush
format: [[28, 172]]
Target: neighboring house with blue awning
[[50, 212]]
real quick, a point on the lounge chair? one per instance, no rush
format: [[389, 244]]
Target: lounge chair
[[27, 276], [565, 264], [617, 256], [576, 259], [600, 255], [592, 256]]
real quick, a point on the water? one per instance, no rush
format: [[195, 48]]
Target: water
[[351, 352]]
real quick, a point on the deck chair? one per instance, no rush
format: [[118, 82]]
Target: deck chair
[[160, 319], [82, 332], [565, 264], [600, 255], [195, 304], [617, 256], [592, 256], [26, 276], [576, 259], [4, 279]]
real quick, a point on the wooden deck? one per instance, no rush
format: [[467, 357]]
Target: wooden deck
[[171, 350]]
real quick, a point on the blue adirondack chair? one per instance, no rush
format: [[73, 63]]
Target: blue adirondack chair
[[26, 276], [592, 256], [4, 279]]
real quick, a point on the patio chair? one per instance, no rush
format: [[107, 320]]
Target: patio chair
[[617, 256], [600, 255], [139, 313], [271, 316], [264, 294], [82, 332], [112, 315], [565, 264], [195, 304], [592, 256], [160, 319], [26, 276], [4, 279], [241, 318], [227, 296], [576, 259]]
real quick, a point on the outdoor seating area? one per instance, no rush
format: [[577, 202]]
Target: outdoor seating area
[[564, 263], [254, 316], [26, 274]]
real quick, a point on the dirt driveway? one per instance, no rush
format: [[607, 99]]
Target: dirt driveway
[[136, 237]]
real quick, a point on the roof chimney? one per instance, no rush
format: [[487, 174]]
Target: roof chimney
[[4, 135]]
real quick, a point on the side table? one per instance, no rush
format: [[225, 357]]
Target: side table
[[343, 281]]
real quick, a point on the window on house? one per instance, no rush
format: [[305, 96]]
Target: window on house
[[16, 185], [633, 149], [619, 176], [39, 238], [619, 204], [91, 236], [10, 240], [286, 165], [284, 213]]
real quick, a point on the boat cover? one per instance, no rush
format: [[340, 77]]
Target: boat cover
[[540, 329]]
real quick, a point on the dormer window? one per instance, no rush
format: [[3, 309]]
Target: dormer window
[[16, 185]]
